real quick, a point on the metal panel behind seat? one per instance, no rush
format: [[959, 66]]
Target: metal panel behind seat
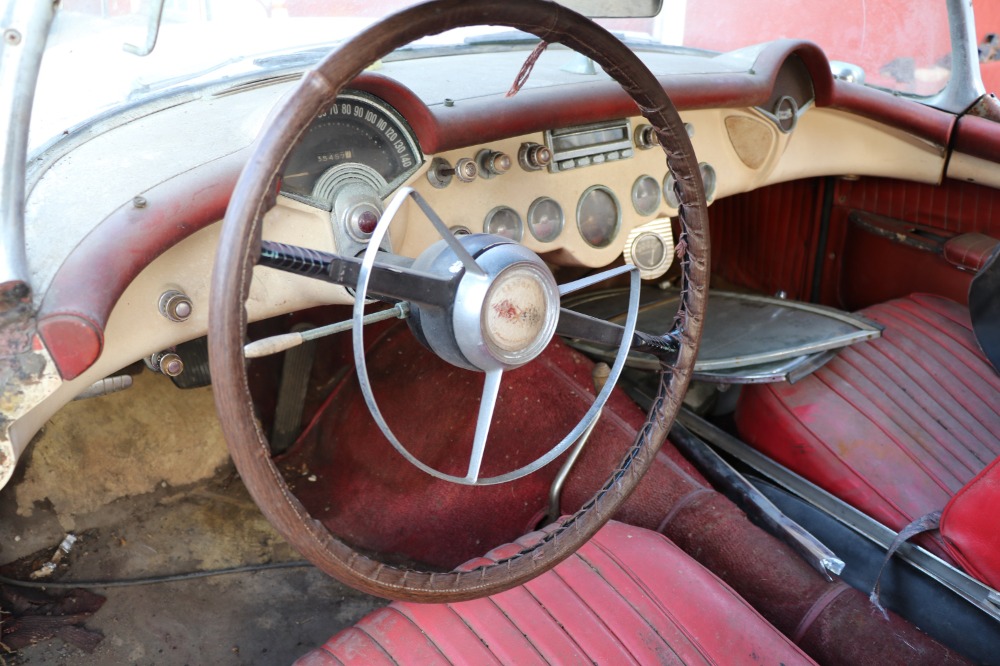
[[747, 338]]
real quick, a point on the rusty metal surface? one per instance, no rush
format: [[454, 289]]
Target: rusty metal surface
[[27, 376]]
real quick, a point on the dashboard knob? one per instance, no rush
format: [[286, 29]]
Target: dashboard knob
[[441, 171], [645, 137], [534, 156], [493, 163], [165, 362], [466, 170], [175, 305]]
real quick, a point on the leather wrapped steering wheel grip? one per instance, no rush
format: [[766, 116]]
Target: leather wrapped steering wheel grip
[[239, 246]]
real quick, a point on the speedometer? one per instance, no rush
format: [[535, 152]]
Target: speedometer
[[357, 132]]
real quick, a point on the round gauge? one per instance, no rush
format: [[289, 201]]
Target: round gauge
[[356, 129], [504, 221], [598, 216], [648, 251], [646, 195], [709, 179], [669, 193], [545, 219]]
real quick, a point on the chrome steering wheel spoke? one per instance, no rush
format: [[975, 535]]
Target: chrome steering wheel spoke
[[488, 402], [484, 277]]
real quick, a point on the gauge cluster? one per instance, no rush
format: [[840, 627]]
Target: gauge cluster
[[358, 135], [580, 195]]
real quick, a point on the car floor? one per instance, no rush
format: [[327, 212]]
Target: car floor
[[149, 513]]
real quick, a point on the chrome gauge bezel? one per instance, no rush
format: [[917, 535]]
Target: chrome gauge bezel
[[533, 208], [615, 230], [660, 229], [645, 178], [502, 209], [709, 179], [399, 124], [669, 196]]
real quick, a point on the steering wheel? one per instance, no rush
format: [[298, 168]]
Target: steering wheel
[[241, 248]]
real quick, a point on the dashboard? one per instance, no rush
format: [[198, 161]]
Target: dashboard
[[580, 195], [567, 167]]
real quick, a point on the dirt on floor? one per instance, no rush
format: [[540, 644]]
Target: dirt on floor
[[94, 451], [143, 480]]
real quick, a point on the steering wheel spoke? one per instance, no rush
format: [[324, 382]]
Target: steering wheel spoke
[[596, 278], [391, 276], [580, 326], [487, 404]]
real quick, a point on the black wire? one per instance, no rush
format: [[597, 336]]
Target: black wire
[[152, 580]]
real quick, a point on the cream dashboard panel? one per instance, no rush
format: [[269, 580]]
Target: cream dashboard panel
[[136, 328], [468, 204]]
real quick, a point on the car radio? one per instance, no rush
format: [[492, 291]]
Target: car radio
[[586, 145]]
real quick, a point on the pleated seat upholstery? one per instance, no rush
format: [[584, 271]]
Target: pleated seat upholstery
[[894, 426], [628, 596]]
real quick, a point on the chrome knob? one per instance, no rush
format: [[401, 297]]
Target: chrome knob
[[441, 171], [533, 156], [493, 163], [166, 362], [466, 170], [645, 137], [175, 305]]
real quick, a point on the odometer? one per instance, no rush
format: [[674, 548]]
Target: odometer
[[357, 129]]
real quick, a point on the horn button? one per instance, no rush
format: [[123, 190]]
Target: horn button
[[501, 319]]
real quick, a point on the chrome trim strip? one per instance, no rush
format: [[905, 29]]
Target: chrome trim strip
[[976, 593]]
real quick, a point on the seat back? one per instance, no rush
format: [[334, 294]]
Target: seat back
[[969, 526]]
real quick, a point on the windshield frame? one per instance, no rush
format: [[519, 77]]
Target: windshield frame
[[965, 85]]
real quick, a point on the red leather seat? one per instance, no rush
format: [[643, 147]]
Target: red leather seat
[[894, 426], [628, 596], [968, 526]]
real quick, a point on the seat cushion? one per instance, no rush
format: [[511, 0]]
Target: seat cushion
[[894, 426], [627, 596]]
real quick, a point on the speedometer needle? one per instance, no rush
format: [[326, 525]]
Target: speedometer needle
[[296, 175]]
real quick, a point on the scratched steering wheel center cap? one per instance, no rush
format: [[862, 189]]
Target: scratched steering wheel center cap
[[504, 310], [518, 315]]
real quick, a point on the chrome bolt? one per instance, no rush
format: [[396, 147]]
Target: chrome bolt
[[139, 201]]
